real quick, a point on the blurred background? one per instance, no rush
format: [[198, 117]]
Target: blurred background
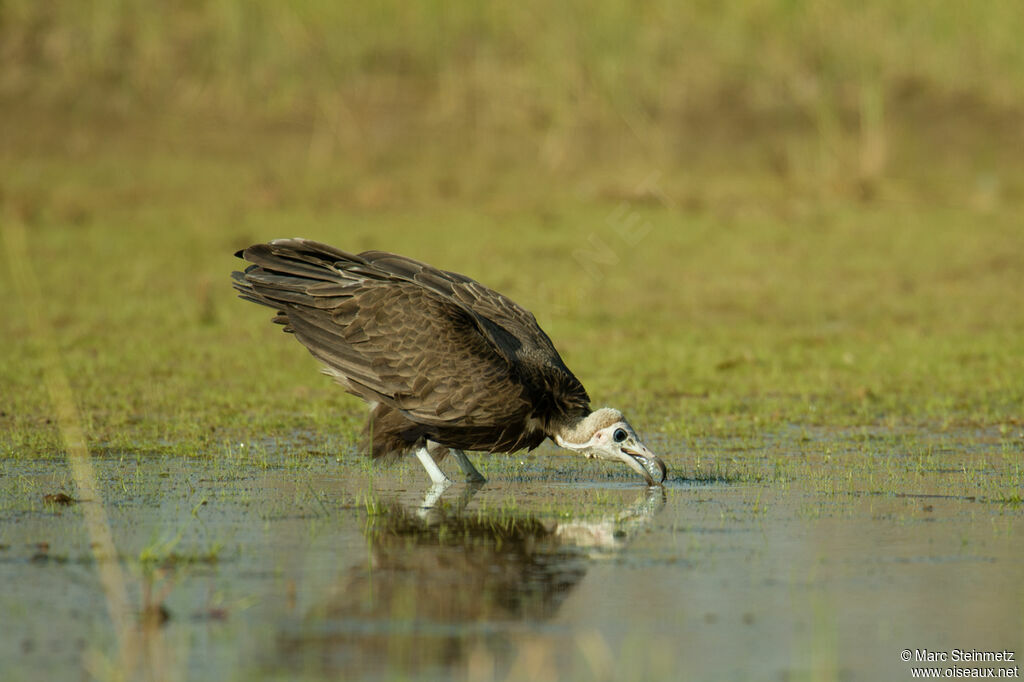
[[709, 205], [456, 100]]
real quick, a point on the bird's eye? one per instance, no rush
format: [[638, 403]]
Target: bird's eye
[[619, 435]]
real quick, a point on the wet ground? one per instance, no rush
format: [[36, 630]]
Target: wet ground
[[274, 567]]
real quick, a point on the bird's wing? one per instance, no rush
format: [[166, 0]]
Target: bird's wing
[[386, 338], [474, 296], [512, 329]]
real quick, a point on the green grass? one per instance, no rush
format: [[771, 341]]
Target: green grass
[[844, 313], [728, 232]]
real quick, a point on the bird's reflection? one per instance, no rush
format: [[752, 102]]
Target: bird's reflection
[[443, 581]]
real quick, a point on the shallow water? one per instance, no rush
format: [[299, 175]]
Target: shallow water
[[279, 568]]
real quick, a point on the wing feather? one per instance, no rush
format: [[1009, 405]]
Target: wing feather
[[386, 338], [512, 329]]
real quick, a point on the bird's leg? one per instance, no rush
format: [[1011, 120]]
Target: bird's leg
[[472, 475], [434, 471]]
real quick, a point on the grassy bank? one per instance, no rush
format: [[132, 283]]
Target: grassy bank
[[790, 312], [732, 219]]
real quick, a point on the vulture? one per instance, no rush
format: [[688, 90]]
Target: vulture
[[446, 364]]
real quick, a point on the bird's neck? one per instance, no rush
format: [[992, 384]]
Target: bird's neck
[[573, 432]]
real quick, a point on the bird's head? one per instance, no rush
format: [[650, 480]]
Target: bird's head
[[605, 434]]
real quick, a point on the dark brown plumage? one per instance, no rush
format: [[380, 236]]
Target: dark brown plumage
[[441, 358]]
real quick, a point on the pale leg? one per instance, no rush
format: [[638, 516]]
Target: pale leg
[[472, 475], [434, 471]]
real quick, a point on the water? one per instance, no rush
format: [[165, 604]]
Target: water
[[271, 570]]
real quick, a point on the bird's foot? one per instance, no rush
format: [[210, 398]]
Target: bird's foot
[[472, 475]]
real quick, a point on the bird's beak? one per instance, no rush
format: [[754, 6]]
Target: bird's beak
[[643, 461]]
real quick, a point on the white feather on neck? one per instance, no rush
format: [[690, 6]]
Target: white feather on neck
[[577, 436]]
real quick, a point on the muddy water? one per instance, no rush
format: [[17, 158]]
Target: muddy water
[[268, 570]]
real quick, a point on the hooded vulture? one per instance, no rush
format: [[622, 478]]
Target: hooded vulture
[[446, 364]]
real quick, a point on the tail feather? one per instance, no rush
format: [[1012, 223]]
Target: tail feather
[[295, 272]]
